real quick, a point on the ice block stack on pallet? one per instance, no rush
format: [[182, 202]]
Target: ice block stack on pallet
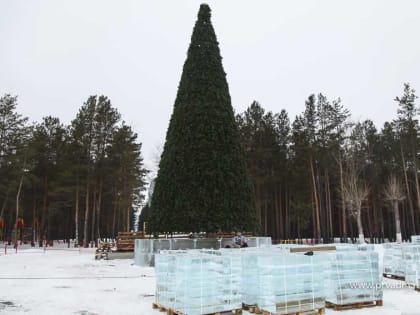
[[415, 239], [283, 283], [198, 282], [393, 260], [352, 278], [145, 249], [412, 262]]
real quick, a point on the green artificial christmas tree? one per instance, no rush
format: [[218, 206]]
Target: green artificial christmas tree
[[203, 183]]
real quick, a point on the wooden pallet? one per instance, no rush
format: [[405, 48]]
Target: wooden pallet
[[170, 311], [395, 277], [343, 307], [252, 308], [228, 235], [130, 235], [290, 304], [103, 250], [312, 249], [125, 240], [319, 311]]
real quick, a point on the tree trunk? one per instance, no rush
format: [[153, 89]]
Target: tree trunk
[[397, 221], [369, 225], [98, 211], [280, 213], [17, 207], [92, 227], [382, 225], [85, 228], [3, 206], [265, 216], [258, 203], [360, 226], [128, 213], [76, 216], [286, 215], [416, 180], [410, 203], [315, 194], [329, 207], [44, 206], [114, 220], [343, 206], [33, 217], [276, 232], [375, 218]]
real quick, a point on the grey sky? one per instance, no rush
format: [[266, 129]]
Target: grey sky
[[54, 54]]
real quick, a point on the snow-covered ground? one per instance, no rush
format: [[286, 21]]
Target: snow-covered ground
[[71, 281]]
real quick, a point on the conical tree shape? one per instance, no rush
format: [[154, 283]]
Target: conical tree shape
[[203, 182]]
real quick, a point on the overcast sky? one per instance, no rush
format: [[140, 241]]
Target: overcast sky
[[54, 54]]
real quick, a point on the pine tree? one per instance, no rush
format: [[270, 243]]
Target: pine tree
[[203, 183]]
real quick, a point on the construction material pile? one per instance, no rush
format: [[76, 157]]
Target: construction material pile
[[281, 279], [415, 239], [282, 283], [198, 282], [205, 281], [401, 261], [352, 276], [412, 261], [393, 260], [146, 249]]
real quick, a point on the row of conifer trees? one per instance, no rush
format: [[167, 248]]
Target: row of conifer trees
[[83, 180]]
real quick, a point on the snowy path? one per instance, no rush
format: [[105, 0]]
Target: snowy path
[[72, 282]]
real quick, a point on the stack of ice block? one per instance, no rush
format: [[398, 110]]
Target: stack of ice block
[[411, 255], [280, 282], [198, 282], [352, 275], [398, 257], [413, 273], [415, 239], [393, 260], [145, 249]]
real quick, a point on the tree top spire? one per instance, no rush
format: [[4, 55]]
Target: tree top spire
[[204, 12]]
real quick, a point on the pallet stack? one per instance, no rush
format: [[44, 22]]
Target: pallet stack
[[125, 240], [352, 278], [283, 279], [146, 249], [198, 282], [394, 265], [103, 250], [402, 262], [412, 270], [282, 283]]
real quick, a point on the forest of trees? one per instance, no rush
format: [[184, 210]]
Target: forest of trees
[[319, 175], [81, 181], [322, 176]]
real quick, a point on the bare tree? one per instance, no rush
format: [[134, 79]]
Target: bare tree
[[355, 191], [394, 194]]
